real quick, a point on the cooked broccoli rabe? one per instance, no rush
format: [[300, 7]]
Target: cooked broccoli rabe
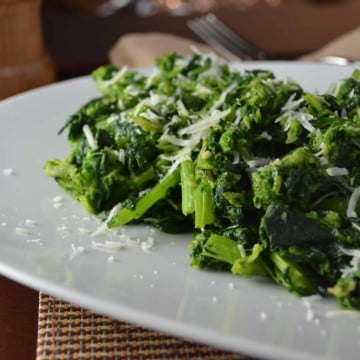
[[263, 172]]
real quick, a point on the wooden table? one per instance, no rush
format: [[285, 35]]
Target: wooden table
[[24, 64], [77, 43], [18, 320]]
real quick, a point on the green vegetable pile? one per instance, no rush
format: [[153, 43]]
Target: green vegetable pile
[[265, 174]]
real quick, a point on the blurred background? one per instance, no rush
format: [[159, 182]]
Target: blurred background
[[79, 33], [74, 36]]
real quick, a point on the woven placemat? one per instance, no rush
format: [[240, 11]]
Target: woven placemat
[[66, 331]]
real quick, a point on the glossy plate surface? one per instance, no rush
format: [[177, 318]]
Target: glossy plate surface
[[155, 289]]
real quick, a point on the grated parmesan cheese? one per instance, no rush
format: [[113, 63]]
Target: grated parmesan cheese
[[223, 96], [182, 110], [263, 316], [354, 263], [175, 141], [242, 250], [350, 211], [115, 78], [237, 117], [62, 228], [356, 226], [201, 89], [89, 137], [103, 227], [156, 72], [110, 245], [76, 250], [258, 162], [337, 171], [323, 160], [121, 104], [335, 88], [309, 315], [36, 241], [30, 222], [131, 90], [156, 99], [266, 135], [8, 172], [148, 244], [122, 156], [336, 313], [150, 115], [292, 104], [236, 157], [112, 118], [303, 118], [22, 231], [83, 230], [211, 119], [57, 199]]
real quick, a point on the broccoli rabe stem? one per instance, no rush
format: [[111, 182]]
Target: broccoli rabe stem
[[203, 201], [222, 248], [158, 192], [197, 195], [188, 186], [291, 276], [316, 102]]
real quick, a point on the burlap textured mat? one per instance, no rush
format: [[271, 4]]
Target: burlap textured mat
[[69, 332]]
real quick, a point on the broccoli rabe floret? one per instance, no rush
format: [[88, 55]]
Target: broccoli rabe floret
[[293, 179], [347, 291], [214, 251], [312, 241]]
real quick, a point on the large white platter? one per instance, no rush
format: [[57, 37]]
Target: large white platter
[[155, 289]]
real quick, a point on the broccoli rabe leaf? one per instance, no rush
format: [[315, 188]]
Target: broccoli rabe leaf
[[93, 112]]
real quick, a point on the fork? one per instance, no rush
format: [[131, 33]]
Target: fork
[[224, 40]]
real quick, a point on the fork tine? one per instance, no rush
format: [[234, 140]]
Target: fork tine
[[214, 32], [207, 33], [198, 29], [234, 38], [221, 39]]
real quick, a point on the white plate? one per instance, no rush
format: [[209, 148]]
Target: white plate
[[157, 289]]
